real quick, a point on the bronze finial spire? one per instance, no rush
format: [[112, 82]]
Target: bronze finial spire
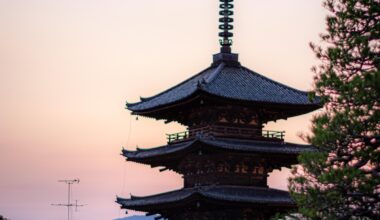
[[226, 7], [225, 34]]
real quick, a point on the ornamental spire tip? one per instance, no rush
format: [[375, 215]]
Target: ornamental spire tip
[[226, 27]]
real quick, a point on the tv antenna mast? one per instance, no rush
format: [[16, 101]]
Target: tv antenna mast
[[69, 204]]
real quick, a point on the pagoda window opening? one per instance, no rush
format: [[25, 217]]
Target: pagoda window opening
[[227, 167], [244, 167], [256, 170], [259, 170], [238, 168], [220, 167]]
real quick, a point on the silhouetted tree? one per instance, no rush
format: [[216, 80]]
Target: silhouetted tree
[[3, 218], [342, 180]]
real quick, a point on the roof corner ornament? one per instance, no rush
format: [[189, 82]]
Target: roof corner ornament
[[226, 27]]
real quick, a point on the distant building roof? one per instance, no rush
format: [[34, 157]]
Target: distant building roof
[[229, 194], [230, 82]]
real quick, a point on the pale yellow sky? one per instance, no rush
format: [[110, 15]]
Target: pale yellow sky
[[68, 66]]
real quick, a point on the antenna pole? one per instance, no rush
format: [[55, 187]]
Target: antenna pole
[[69, 204], [68, 200]]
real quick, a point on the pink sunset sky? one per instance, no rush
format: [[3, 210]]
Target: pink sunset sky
[[67, 67]]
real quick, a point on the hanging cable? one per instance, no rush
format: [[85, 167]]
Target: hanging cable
[[125, 164]]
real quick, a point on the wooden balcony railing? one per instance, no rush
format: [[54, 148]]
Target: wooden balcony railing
[[226, 131]]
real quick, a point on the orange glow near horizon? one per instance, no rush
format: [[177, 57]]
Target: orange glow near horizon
[[67, 68]]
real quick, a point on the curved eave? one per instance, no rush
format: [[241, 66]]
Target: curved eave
[[238, 84], [156, 151], [159, 108], [199, 94], [192, 89], [170, 152], [232, 195]]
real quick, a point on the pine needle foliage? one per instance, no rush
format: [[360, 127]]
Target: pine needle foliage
[[342, 179]]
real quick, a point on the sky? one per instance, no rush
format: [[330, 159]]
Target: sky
[[67, 67]]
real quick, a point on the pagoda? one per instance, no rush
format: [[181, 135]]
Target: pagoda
[[224, 155]]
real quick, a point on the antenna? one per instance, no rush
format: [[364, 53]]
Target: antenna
[[69, 204]]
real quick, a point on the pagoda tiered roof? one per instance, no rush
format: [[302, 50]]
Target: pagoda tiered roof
[[250, 195], [169, 154], [225, 156], [227, 82]]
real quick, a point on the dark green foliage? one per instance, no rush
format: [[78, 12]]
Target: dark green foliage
[[342, 180]]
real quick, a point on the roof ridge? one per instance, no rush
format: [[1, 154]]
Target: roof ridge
[[171, 88], [215, 73], [273, 81]]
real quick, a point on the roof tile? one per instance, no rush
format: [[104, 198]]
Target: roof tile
[[233, 82]]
